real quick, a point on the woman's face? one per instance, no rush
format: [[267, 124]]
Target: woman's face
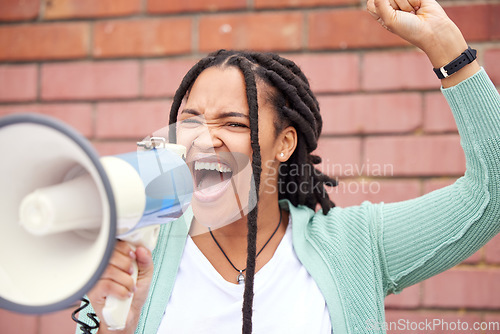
[[215, 128]]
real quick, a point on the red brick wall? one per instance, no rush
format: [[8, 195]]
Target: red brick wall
[[109, 68]]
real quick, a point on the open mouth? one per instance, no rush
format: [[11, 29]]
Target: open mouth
[[211, 178]]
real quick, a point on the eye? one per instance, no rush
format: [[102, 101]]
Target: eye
[[236, 125]]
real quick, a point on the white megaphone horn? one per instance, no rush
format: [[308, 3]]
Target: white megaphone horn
[[62, 207]]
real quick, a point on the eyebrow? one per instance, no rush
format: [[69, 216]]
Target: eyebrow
[[190, 111], [221, 115]]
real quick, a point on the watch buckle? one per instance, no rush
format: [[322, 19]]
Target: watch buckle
[[443, 72]]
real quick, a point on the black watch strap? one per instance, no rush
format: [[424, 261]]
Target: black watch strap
[[467, 57]]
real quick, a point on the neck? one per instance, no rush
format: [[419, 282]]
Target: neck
[[233, 236]]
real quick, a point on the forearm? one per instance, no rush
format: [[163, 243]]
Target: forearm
[[475, 104]]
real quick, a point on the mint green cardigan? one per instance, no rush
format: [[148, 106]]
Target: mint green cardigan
[[358, 255]]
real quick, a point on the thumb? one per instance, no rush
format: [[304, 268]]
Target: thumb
[[144, 263], [145, 270]]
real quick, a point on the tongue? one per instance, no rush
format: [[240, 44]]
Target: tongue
[[211, 183], [211, 178]]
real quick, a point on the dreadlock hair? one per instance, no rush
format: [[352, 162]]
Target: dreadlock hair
[[295, 105]]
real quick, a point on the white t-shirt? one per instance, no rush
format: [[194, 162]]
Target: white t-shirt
[[286, 298]]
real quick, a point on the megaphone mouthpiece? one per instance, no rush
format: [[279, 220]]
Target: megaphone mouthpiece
[[68, 206]]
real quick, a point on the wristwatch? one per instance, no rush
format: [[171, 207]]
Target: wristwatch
[[467, 57]]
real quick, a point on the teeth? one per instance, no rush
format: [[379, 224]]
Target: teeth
[[212, 166]]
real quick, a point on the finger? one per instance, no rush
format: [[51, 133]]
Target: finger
[[111, 288], [370, 7], [375, 16], [104, 288], [122, 261], [113, 274], [386, 12], [394, 4], [416, 4], [125, 248], [379, 20], [405, 5]]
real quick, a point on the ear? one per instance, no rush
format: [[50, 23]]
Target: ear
[[286, 144]]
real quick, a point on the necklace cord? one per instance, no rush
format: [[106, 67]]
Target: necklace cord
[[227, 258]]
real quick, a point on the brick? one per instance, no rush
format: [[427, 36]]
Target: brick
[[348, 29], [437, 114], [492, 66], [390, 191], [90, 80], [382, 71], [151, 37], [17, 10], [105, 148], [300, 3], [57, 322], [354, 192], [340, 155], [474, 288], [474, 258], [76, 115], [475, 21], [18, 82], [163, 77], [409, 298], [181, 6], [492, 322], [494, 22], [43, 41], [16, 323], [442, 322], [349, 192], [492, 250], [282, 31], [434, 184], [330, 72], [61, 9], [423, 155], [365, 114], [131, 119]]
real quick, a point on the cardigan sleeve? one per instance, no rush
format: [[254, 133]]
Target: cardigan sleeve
[[422, 237]]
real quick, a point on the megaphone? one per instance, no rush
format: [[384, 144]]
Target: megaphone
[[62, 208]]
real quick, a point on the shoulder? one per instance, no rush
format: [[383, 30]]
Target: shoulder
[[305, 215], [353, 221]]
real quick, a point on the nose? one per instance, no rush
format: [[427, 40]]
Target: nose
[[207, 139]]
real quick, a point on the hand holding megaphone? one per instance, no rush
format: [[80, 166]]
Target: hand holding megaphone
[[117, 285]]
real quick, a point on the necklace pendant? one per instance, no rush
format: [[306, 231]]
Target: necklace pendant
[[241, 278]]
